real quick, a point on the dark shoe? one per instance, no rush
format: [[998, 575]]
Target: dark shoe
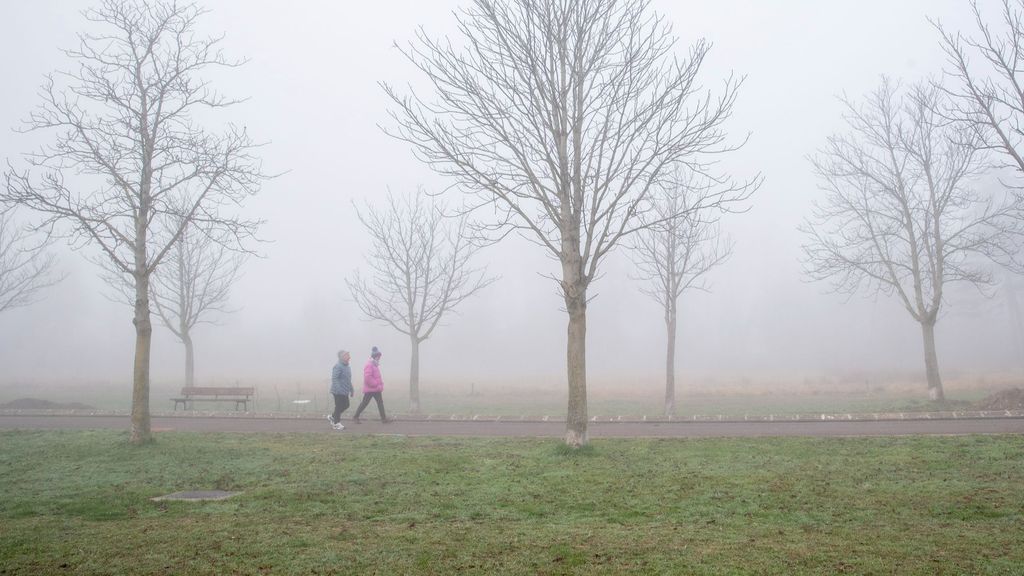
[[387, 420], [356, 420]]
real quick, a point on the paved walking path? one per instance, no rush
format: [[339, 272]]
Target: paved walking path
[[1011, 424]]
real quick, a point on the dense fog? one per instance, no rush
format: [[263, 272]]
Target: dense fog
[[312, 84]]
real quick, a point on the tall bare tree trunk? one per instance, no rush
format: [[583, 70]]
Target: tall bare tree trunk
[[190, 362], [414, 376], [576, 348], [183, 317], [576, 421], [931, 363], [574, 289], [140, 431], [670, 363]]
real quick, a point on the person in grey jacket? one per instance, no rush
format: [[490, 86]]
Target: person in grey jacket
[[341, 388]]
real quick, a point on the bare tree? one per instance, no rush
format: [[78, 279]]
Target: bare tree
[[675, 254], [127, 150], [420, 271], [899, 216], [25, 265], [1000, 301], [192, 284], [560, 116], [1011, 288], [987, 93]]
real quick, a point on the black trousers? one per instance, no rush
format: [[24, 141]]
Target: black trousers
[[366, 401], [340, 405]]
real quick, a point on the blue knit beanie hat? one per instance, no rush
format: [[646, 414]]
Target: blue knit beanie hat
[[375, 353]]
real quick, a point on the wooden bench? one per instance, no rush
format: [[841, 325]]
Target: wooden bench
[[189, 394]]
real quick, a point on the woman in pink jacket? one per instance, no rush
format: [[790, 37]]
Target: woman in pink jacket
[[373, 386]]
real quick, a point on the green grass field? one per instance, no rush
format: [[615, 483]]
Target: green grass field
[[79, 503], [606, 404]]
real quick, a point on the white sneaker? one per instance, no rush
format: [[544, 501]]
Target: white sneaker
[[330, 418], [339, 426]]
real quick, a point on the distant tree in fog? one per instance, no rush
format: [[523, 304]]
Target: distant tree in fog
[[193, 284], [1005, 304], [420, 271], [558, 117], [1011, 289], [127, 150], [25, 265], [998, 307], [899, 215], [675, 253]]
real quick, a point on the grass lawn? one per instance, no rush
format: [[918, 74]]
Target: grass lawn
[[79, 503], [605, 404]]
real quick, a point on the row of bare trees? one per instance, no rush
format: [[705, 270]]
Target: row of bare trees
[[565, 117], [571, 119], [905, 213], [420, 259], [128, 171], [575, 123]]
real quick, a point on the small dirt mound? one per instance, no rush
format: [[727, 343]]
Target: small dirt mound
[[37, 404], [1012, 399]]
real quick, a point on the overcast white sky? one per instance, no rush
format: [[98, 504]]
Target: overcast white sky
[[313, 79]]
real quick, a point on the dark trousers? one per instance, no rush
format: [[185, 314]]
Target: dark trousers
[[366, 400], [340, 405]]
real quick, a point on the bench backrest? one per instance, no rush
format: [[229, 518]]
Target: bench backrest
[[209, 391]]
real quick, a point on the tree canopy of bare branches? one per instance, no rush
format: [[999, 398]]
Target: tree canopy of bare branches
[[675, 254], [900, 216], [192, 285], [987, 92], [126, 150], [560, 116], [26, 267], [420, 271]]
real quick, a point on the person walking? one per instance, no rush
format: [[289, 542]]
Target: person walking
[[341, 388], [373, 386]]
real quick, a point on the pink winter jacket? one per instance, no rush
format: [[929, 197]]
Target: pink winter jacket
[[372, 381]]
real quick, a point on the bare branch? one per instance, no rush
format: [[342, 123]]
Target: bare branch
[[26, 268], [986, 69], [682, 242]]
